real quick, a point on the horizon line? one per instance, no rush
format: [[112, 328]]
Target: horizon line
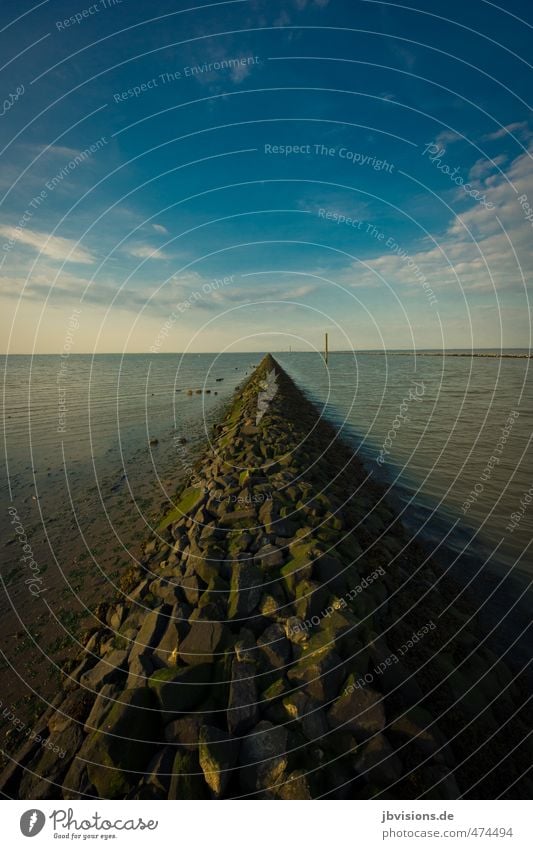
[[280, 351]]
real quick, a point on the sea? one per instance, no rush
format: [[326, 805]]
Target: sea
[[96, 445]]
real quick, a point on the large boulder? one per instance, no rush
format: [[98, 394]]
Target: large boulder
[[310, 600], [180, 689], [140, 668], [218, 755], [150, 632], [275, 647], [358, 709], [245, 589], [331, 573], [124, 744], [166, 652], [184, 732], [156, 783], [187, 781], [378, 763], [243, 711], [108, 671], [206, 639], [263, 757], [308, 713], [269, 556], [294, 786], [299, 567], [320, 673]]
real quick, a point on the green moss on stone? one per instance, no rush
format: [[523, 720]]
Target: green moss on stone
[[189, 500]]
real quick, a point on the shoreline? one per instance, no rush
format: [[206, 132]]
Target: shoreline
[[280, 581]]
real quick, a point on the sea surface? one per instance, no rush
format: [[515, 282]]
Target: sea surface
[[95, 446]]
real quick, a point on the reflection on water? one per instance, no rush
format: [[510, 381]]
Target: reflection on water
[[431, 427], [442, 441], [88, 493]]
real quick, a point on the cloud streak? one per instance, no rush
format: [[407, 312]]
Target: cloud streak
[[57, 248]]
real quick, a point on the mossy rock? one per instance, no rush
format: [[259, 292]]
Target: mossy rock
[[124, 744], [310, 599], [275, 690], [205, 569], [187, 782], [180, 689], [238, 541], [299, 567], [189, 501]]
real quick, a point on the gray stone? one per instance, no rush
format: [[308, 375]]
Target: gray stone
[[294, 786], [106, 671], [311, 600], [377, 762], [166, 651], [331, 573], [191, 588], [204, 640], [245, 591], [124, 744], [186, 781], [140, 668], [268, 557], [243, 711], [359, 710], [101, 707], [218, 755], [74, 708], [156, 783], [150, 632], [320, 673], [51, 764], [184, 732], [275, 647], [246, 518], [312, 719], [116, 617], [180, 689], [263, 757]]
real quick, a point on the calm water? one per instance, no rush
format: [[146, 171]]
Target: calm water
[[77, 442], [88, 493], [99, 472], [456, 413]]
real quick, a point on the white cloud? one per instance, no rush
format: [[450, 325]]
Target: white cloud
[[55, 247], [483, 167], [160, 229], [478, 263], [147, 252], [53, 150], [240, 72], [519, 128], [448, 137]]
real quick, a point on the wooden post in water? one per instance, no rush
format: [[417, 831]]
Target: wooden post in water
[[326, 347]]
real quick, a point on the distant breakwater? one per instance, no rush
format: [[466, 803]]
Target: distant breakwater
[[283, 638]]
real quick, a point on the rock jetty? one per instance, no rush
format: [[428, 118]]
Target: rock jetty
[[284, 638]]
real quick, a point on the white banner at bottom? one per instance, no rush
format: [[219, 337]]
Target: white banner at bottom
[[244, 824]]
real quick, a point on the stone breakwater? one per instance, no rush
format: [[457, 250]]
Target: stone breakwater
[[283, 638]]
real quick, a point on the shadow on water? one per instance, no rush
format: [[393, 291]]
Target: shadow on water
[[496, 584]]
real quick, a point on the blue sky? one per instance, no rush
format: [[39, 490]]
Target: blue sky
[[358, 167]]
